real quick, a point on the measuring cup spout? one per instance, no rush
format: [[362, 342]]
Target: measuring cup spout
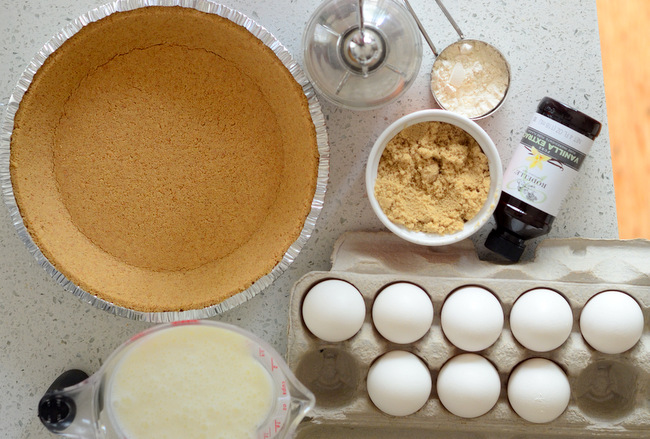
[[66, 407], [302, 401]]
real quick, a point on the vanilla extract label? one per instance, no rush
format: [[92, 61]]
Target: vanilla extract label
[[561, 153], [543, 166], [523, 174]]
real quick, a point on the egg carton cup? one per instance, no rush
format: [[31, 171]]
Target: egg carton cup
[[610, 394]]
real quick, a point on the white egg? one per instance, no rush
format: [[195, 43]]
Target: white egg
[[541, 320], [538, 390], [399, 383], [468, 385], [472, 318], [402, 312], [333, 310], [611, 322]]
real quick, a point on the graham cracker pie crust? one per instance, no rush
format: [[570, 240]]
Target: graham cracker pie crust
[[163, 159]]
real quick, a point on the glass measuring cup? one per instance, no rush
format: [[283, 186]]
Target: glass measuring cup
[[79, 406]]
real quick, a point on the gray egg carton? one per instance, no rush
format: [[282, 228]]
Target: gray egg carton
[[610, 394]]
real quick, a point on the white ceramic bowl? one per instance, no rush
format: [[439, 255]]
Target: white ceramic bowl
[[486, 144]]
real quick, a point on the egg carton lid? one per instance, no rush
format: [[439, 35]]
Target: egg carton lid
[[568, 260]]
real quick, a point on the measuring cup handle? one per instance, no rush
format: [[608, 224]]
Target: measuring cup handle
[[421, 27], [57, 411], [450, 19]]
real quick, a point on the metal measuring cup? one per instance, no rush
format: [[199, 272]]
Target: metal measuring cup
[[450, 51]]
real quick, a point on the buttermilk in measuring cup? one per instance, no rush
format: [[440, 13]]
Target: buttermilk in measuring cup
[[194, 381]]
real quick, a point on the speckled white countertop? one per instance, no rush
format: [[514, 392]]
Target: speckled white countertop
[[553, 48]]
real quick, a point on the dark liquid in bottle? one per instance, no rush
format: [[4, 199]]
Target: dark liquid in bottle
[[518, 221]]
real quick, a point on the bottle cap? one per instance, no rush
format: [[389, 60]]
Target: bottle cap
[[570, 117], [506, 244]]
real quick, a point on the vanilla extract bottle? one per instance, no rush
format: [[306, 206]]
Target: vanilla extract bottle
[[539, 175]]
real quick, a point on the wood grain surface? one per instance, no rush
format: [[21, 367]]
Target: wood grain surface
[[625, 46]]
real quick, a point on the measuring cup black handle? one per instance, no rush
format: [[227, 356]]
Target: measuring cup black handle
[[57, 411]]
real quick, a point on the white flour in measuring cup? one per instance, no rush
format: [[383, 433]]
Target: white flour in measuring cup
[[470, 77], [192, 381]]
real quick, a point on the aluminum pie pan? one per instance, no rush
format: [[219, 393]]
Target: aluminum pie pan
[[287, 60]]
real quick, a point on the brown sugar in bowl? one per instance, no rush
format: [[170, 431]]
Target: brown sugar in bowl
[[164, 160], [442, 234]]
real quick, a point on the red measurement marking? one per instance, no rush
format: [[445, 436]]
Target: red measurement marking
[[185, 322], [284, 407], [277, 425], [261, 353], [284, 387], [273, 365]]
